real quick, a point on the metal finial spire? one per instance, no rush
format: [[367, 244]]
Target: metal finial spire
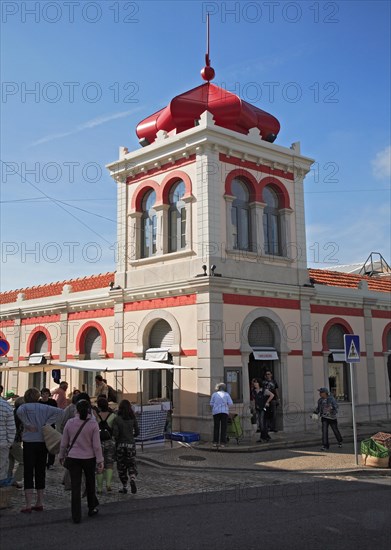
[[207, 72]]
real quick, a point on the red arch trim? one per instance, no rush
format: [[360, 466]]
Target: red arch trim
[[170, 179], [329, 324], [81, 335], [387, 328], [242, 174], [140, 191], [33, 336], [278, 187]]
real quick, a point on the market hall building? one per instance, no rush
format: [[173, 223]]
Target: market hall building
[[211, 273]]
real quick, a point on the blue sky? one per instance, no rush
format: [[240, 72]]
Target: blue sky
[[98, 68]]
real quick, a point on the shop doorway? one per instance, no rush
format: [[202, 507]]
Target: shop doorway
[[256, 368]]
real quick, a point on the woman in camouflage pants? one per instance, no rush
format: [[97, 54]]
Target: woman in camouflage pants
[[125, 429]]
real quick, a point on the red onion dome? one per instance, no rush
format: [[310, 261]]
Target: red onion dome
[[228, 110]]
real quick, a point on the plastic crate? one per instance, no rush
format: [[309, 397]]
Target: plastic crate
[[185, 437]]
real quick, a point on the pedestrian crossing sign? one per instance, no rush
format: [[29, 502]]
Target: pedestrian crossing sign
[[352, 348]]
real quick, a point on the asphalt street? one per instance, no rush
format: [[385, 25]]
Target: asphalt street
[[348, 513], [287, 494]]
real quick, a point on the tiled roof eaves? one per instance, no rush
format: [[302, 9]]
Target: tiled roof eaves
[[82, 284], [349, 280]]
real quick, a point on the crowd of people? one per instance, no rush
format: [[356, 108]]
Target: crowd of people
[[93, 438], [264, 402]]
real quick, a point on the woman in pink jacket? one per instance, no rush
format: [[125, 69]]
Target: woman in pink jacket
[[84, 456]]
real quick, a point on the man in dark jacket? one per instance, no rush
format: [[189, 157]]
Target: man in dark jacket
[[327, 409]]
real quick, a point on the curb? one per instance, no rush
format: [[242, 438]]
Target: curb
[[360, 470], [278, 445], [275, 445]]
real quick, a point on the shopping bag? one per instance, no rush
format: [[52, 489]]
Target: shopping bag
[[52, 439], [66, 480]]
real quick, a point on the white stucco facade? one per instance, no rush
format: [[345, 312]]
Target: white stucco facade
[[211, 317]]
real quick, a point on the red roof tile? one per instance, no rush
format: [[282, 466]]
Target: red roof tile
[[318, 276], [55, 289], [348, 280]]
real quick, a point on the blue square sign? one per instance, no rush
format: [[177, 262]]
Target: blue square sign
[[352, 348]]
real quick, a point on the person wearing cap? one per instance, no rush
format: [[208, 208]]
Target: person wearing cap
[[327, 409]]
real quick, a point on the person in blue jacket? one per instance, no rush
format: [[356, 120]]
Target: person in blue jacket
[[327, 409]]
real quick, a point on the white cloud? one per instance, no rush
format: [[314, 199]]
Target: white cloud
[[381, 164], [85, 126]]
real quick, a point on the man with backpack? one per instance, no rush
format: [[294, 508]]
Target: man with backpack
[[105, 418]]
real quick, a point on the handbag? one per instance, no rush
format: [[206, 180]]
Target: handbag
[[66, 458], [52, 438]]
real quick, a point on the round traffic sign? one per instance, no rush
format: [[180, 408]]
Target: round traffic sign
[[4, 346]]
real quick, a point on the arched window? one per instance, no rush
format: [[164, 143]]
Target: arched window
[[177, 218], [160, 383], [162, 335], [92, 344], [338, 369], [260, 334], [262, 340], [40, 343], [271, 222], [148, 226], [92, 347], [335, 337], [388, 340], [241, 221]]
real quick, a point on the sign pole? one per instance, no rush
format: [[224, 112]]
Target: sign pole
[[352, 355], [353, 415]]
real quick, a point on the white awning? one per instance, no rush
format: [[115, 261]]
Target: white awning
[[112, 365], [156, 354], [43, 367], [37, 359], [338, 357], [265, 354], [102, 365]]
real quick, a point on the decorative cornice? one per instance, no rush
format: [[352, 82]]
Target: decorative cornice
[[246, 148]]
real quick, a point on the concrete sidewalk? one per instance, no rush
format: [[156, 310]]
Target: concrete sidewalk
[[286, 452]]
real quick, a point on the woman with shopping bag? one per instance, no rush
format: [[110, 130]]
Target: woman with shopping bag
[[81, 447]]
